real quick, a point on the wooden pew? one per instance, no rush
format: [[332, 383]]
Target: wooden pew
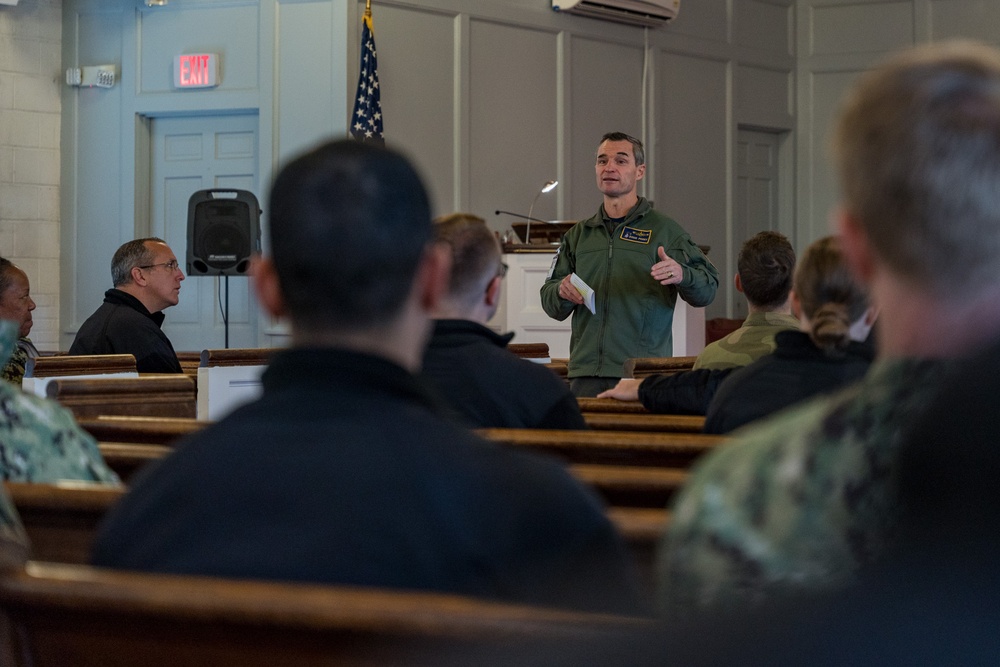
[[619, 485], [61, 519], [247, 356], [78, 615], [146, 396], [146, 430], [190, 361], [617, 447], [42, 370], [539, 351], [127, 459], [631, 486], [641, 367], [91, 364], [665, 450], [609, 421], [590, 404]]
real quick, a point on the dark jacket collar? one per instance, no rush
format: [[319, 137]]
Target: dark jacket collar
[[329, 369], [120, 298], [798, 345], [458, 332]]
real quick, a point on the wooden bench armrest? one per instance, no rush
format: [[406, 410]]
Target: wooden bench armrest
[[91, 364], [250, 356]]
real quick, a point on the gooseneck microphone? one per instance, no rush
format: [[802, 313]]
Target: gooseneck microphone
[[520, 215]]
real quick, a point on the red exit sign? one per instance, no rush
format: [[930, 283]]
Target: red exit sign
[[196, 70]]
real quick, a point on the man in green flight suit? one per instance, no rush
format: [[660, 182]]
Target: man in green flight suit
[[637, 261]]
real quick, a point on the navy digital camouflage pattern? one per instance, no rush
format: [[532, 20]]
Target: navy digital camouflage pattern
[[39, 439], [798, 501]]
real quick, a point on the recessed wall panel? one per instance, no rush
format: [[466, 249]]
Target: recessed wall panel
[[232, 32], [512, 117], [606, 94], [862, 28], [691, 172], [827, 91], [306, 43], [708, 20], [418, 91], [764, 97], [964, 19], [763, 25]]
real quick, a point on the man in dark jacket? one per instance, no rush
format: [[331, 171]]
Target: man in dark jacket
[[146, 279], [345, 471], [469, 364]]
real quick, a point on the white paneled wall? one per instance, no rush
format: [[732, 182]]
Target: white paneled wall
[[491, 98]]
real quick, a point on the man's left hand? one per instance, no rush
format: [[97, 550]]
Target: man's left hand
[[667, 271]]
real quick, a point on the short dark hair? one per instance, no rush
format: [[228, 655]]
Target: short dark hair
[[130, 255], [475, 254], [766, 265], [637, 150], [349, 225]]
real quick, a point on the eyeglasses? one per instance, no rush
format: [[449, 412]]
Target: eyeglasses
[[171, 265], [503, 270]]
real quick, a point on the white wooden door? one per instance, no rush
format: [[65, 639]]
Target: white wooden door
[[190, 154]]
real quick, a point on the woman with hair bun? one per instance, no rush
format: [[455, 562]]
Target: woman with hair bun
[[830, 351]]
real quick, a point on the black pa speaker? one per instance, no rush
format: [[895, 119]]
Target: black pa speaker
[[223, 232]]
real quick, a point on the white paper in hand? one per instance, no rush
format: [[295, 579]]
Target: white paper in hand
[[589, 295]]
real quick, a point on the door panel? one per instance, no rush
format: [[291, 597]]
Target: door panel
[[190, 154], [756, 194]]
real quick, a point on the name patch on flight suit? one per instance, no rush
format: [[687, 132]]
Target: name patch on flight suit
[[636, 235]]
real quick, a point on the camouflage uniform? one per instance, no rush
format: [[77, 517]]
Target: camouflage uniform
[[13, 371], [39, 439], [748, 343], [799, 500]]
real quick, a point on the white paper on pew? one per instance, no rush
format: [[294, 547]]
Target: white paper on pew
[[222, 389], [589, 295], [37, 386]]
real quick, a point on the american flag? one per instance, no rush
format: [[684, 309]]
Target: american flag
[[366, 121]]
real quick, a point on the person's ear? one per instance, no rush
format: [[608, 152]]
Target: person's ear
[[138, 277], [493, 290], [433, 275], [796, 305], [738, 283], [267, 286], [640, 171], [856, 246]]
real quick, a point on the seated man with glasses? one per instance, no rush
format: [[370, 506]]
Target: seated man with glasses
[[146, 279], [467, 363]]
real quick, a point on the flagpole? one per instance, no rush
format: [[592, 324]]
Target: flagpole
[[368, 9]]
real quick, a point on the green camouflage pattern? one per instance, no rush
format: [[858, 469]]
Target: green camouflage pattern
[[751, 341], [798, 501], [13, 370], [39, 439]]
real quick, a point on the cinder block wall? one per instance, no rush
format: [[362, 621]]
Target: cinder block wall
[[30, 80]]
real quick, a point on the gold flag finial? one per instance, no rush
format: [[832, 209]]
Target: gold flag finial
[[368, 8]]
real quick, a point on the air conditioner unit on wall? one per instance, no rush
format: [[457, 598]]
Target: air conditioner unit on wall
[[651, 13]]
